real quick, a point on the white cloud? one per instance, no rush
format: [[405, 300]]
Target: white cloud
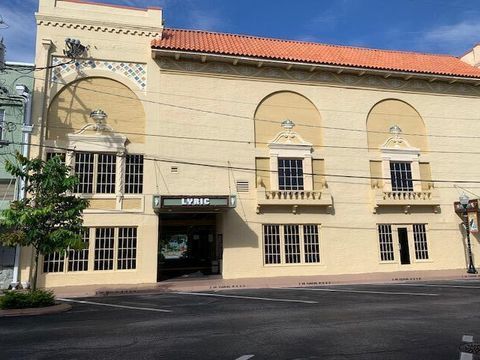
[[455, 38]]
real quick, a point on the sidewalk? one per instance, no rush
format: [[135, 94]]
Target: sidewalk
[[215, 283]]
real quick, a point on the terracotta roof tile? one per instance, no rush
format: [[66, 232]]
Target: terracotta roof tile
[[315, 53]]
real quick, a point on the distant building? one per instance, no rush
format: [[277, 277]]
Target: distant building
[[16, 85], [244, 157]]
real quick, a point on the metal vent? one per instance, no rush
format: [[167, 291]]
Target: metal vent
[[242, 186]]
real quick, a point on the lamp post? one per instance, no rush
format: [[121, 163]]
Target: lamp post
[[464, 202]]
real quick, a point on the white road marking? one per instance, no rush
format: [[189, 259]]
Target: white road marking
[[466, 356], [467, 338], [245, 357], [440, 286], [364, 291], [116, 306], [247, 297]]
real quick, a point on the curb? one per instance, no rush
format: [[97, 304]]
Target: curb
[[54, 309]]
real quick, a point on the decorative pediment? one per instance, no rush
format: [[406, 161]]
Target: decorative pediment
[[397, 143], [288, 137]]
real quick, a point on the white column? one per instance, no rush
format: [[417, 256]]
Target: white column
[[273, 172], [120, 179], [307, 173]]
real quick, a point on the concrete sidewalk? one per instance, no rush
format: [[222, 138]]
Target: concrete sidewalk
[[215, 283]]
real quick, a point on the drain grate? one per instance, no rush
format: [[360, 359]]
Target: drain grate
[[471, 348]]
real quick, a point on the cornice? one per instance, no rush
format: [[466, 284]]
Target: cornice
[[363, 79], [92, 25]]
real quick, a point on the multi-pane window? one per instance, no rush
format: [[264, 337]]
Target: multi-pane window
[[134, 174], [106, 173], [84, 169], [53, 262], [420, 241], [311, 245], [78, 259], [7, 257], [52, 154], [290, 174], [271, 238], [386, 242], [127, 248], [104, 248], [401, 176], [291, 244], [111, 248]]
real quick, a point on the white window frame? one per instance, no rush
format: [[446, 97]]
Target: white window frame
[[411, 244], [3, 115], [287, 151], [301, 234]]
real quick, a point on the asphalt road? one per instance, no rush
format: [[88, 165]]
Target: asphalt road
[[417, 321]]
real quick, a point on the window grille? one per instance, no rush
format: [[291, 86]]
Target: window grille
[[106, 173], [78, 259], [420, 241], [127, 248], [401, 176], [242, 186], [53, 262], [271, 236], [52, 154], [104, 248], [134, 174], [84, 169], [290, 174], [311, 245], [292, 244], [386, 242]]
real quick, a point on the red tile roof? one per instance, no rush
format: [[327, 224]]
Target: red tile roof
[[314, 53]]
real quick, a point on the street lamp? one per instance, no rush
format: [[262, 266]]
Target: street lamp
[[464, 202]]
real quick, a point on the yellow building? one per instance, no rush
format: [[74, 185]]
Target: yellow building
[[249, 157]]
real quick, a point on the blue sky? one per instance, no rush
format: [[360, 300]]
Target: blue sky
[[438, 26]]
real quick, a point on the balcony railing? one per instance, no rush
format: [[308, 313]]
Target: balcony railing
[[406, 199], [294, 198]]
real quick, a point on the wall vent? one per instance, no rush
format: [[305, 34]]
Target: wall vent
[[242, 186]]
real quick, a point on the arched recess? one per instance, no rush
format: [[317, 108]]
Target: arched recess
[[283, 105], [389, 112], [70, 108]]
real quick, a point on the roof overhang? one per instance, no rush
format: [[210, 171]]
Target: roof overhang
[[288, 65]]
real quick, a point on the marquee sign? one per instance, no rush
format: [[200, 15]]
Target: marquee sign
[[194, 202]]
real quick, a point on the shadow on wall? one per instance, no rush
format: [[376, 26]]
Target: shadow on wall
[[243, 236]]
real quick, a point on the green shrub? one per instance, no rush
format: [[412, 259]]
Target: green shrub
[[27, 299]]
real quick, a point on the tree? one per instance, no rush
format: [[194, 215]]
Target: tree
[[49, 218]]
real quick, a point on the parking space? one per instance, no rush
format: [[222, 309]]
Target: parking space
[[377, 321]]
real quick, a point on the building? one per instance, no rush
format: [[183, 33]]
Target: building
[[16, 84], [246, 157]]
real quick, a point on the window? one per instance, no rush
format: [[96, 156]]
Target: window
[[291, 244], [290, 174], [78, 259], [134, 174], [401, 176], [7, 257], [386, 242], [84, 165], [53, 262], [52, 154], [2, 124], [127, 248], [420, 241], [104, 248], [106, 173]]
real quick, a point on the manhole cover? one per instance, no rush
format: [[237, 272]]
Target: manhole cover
[[472, 348]]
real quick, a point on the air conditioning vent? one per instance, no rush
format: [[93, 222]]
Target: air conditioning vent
[[242, 186]]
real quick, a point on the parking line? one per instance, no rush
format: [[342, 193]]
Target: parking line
[[116, 306], [245, 357], [247, 297], [364, 291], [440, 286]]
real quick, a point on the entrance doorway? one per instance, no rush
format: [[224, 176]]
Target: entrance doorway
[[188, 246], [403, 246]]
